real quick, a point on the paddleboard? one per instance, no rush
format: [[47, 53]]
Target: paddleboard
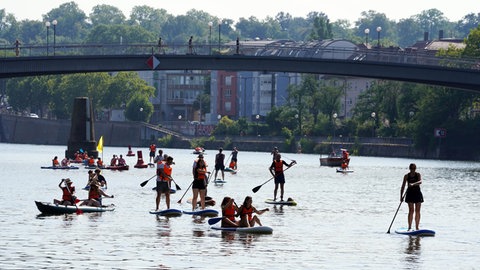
[[344, 171], [290, 202], [167, 213], [172, 191], [60, 167], [258, 230], [151, 164], [421, 232], [219, 181], [203, 213]]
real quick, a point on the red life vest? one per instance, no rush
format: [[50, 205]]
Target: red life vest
[[93, 193], [248, 212], [167, 169], [230, 212], [278, 166], [67, 196]]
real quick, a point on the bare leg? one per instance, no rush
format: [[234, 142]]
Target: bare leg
[[167, 199], [417, 215], [202, 198], [216, 172], [281, 191], [410, 215], [254, 220], [194, 199], [223, 175], [157, 200], [275, 192]]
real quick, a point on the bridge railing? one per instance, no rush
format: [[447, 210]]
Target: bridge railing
[[377, 55]]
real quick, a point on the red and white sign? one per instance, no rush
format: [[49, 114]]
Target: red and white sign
[[440, 132], [153, 62]]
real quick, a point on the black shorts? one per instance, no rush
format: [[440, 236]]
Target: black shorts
[[152, 154], [163, 187], [219, 167], [198, 184], [280, 179], [414, 196]]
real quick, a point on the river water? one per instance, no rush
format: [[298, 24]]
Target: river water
[[340, 221]]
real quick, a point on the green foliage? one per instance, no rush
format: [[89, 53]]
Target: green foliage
[[139, 108], [165, 141], [307, 145]]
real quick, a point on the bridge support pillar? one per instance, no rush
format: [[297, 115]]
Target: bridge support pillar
[[82, 133]]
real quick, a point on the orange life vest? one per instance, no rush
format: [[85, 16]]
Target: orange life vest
[[167, 169], [248, 212], [67, 196], [230, 212], [93, 193], [278, 166]]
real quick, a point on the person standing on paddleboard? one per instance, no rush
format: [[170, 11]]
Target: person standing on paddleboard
[[276, 169], [413, 196], [199, 186], [164, 177], [219, 163]]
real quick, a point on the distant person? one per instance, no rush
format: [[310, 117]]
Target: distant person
[[68, 193], [413, 196], [164, 178], [276, 169], [99, 163], [219, 163], [55, 162], [246, 211], [153, 149], [113, 161], [121, 161], [65, 162], [101, 179], [233, 163], [190, 45], [17, 47], [95, 196]]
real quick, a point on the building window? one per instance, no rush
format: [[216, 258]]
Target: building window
[[228, 106], [228, 93], [228, 80]]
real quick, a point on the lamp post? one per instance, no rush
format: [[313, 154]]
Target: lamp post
[[219, 31], [258, 118], [47, 24], [299, 124], [334, 118], [210, 24], [373, 115], [54, 23], [367, 31], [379, 29]]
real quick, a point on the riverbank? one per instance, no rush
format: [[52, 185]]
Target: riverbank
[[27, 130]]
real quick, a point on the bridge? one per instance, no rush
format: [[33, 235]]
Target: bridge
[[378, 63]]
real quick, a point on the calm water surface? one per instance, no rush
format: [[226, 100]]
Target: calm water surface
[[340, 221]]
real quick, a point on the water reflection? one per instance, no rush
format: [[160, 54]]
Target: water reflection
[[413, 250], [163, 226]]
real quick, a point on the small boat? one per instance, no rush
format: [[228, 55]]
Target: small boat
[[198, 150], [58, 209], [335, 159], [289, 201], [60, 167], [256, 230], [118, 168], [94, 167], [421, 232]]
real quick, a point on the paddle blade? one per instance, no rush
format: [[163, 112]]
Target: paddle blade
[[177, 186], [257, 188], [214, 220], [144, 183]]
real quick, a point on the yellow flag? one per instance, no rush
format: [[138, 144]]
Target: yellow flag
[[100, 145]]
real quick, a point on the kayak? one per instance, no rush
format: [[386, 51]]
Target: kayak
[[257, 230], [58, 209], [203, 213], [167, 213], [421, 232], [344, 170], [290, 202], [60, 167]]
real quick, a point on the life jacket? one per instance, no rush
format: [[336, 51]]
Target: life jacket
[[168, 171], [230, 212], [91, 162], [248, 212], [100, 163], [153, 147], [200, 172], [232, 165], [67, 196], [55, 162], [278, 166], [64, 162], [93, 193]]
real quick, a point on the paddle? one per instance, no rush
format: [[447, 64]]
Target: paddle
[[180, 201], [257, 188], [146, 181], [176, 186], [403, 197], [214, 220]]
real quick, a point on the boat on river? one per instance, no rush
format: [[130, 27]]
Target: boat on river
[[58, 209], [335, 159]]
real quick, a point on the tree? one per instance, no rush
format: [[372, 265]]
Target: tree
[[472, 48], [467, 23], [106, 14], [151, 19], [139, 108], [322, 29], [72, 21]]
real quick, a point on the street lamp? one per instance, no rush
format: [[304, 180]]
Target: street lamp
[[334, 117], [373, 115], [379, 29], [219, 31], [210, 24], [367, 31], [258, 118], [47, 24], [299, 124], [54, 23]]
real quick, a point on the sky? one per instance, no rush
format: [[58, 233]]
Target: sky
[[335, 9]]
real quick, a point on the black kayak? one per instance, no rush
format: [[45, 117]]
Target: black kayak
[[58, 209]]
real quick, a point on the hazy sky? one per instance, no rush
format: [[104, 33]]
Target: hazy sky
[[335, 9]]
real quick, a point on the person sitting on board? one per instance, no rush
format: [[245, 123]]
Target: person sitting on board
[[68, 191], [229, 209], [78, 157], [55, 162], [276, 169], [95, 196], [234, 158], [219, 163], [113, 161], [246, 210], [164, 178], [65, 162], [91, 161], [413, 196], [199, 186], [101, 178], [121, 161], [99, 163]]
